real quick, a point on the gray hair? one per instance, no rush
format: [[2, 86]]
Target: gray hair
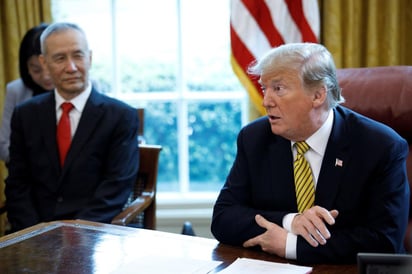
[[57, 28], [313, 62]]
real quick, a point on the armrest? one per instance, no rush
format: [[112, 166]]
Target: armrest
[[134, 209], [141, 212]]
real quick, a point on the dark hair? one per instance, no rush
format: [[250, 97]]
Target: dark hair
[[29, 46]]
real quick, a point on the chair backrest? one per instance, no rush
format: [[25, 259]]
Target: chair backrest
[[140, 130], [383, 94], [140, 211]]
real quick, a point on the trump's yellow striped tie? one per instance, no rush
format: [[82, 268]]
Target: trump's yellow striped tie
[[304, 185]]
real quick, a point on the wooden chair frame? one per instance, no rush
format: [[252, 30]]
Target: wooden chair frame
[[144, 193]]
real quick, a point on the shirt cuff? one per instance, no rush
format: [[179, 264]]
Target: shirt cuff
[[291, 242], [287, 221]]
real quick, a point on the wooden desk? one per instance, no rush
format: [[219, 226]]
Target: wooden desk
[[88, 247]]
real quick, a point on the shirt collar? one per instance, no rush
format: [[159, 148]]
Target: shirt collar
[[78, 102], [319, 140]]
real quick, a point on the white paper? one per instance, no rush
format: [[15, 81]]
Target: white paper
[[163, 264], [244, 265]]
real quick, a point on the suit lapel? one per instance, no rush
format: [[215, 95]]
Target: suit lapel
[[48, 124], [282, 159], [333, 164], [90, 117]]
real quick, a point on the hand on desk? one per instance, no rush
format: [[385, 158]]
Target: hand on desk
[[272, 241], [311, 224]]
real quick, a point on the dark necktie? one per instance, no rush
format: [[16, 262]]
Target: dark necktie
[[304, 185], [64, 132]]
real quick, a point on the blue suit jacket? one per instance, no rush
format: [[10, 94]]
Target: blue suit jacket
[[99, 171], [370, 190]]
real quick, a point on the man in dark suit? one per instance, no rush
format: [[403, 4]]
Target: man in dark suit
[[357, 169], [95, 179]]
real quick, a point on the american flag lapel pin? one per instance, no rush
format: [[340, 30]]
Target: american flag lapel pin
[[338, 162]]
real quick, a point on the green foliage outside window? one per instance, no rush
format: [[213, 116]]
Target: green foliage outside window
[[212, 126]]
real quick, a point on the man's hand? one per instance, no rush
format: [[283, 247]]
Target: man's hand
[[272, 241], [311, 225]]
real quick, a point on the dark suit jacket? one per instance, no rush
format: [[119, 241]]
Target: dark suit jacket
[[370, 190], [98, 173]]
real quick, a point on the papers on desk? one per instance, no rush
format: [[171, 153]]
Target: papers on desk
[[244, 265], [164, 264]]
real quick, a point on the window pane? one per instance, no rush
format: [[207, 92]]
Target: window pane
[[171, 57], [161, 128], [206, 47], [213, 129], [146, 37], [86, 14]]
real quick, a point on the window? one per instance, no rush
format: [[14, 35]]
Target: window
[[171, 57]]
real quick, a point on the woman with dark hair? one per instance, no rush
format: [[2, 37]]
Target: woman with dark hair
[[33, 80]]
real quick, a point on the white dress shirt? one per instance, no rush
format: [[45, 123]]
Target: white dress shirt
[[78, 105], [317, 143]]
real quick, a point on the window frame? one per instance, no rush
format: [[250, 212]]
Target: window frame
[[182, 98]]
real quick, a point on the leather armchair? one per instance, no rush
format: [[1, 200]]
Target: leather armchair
[[383, 94]]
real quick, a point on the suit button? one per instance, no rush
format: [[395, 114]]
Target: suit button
[[60, 199]]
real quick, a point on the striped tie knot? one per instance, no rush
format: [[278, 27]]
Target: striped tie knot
[[301, 147]]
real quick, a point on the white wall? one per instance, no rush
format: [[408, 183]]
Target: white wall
[[172, 212]]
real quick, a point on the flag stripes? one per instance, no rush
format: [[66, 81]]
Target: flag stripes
[[259, 25]]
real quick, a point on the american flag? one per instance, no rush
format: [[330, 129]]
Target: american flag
[[258, 25]]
